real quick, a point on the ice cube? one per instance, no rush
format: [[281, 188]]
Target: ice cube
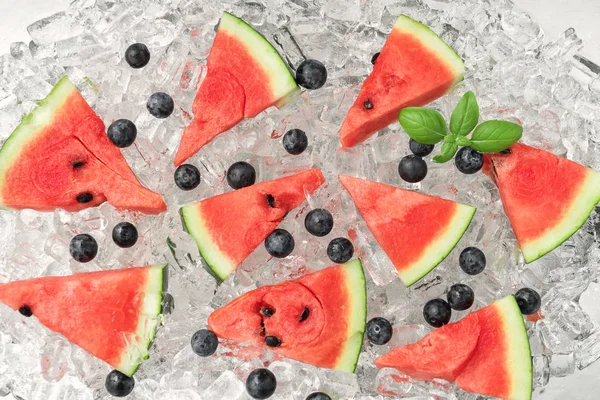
[[227, 387], [56, 27]]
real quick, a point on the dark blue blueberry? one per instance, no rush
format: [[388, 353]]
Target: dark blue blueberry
[[318, 222], [83, 248], [118, 384], [412, 169], [437, 312], [318, 396], [261, 384], [187, 177], [468, 161], [279, 243], [272, 341], [122, 133], [25, 310], [472, 260], [295, 141], [311, 74], [340, 250], [84, 198], [240, 175], [379, 330], [124, 234], [137, 55], [204, 342], [160, 105], [374, 58], [460, 297], [420, 149], [529, 301]]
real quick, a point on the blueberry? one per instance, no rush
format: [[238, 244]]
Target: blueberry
[[160, 105], [241, 174], [468, 161], [311, 74], [124, 234], [374, 58], [25, 310], [122, 133], [272, 341], [379, 330], [261, 384], [437, 312], [318, 396], [420, 149], [318, 222], [83, 248], [118, 384], [187, 177], [340, 250], [460, 297], [84, 198], [412, 169], [472, 260], [295, 141], [137, 55], [204, 342], [529, 301], [280, 243]]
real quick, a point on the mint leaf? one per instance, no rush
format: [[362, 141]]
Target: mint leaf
[[447, 152], [465, 115], [494, 136], [463, 141], [423, 125]]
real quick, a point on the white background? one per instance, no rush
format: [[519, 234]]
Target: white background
[[555, 16]]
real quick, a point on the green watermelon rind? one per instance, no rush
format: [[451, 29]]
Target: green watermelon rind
[[432, 41], [283, 84], [148, 321], [32, 123], [456, 229], [218, 262], [579, 211], [357, 315]]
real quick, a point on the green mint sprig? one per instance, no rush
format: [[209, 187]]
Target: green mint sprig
[[428, 126]]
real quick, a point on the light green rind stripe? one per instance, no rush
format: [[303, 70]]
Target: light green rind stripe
[[439, 248], [218, 261], [282, 82], [149, 320], [357, 291], [518, 355], [574, 218], [32, 124], [434, 43]]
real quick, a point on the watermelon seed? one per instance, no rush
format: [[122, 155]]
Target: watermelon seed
[[78, 164], [374, 58], [506, 151], [85, 198], [368, 105], [26, 311], [267, 312], [305, 314], [271, 201], [272, 341]]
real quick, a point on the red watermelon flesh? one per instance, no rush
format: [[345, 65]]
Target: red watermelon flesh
[[414, 68], [331, 334], [441, 354], [245, 76], [228, 227], [112, 315], [60, 151], [416, 231], [546, 198]]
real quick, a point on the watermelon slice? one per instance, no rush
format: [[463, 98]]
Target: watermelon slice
[[61, 151], [112, 315], [328, 335], [245, 76], [414, 68], [486, 352], [228, 227], [546, 198], [400, 220]]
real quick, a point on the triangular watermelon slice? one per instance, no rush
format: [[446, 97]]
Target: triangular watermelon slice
[[416, 231], [319, 318], [228, 227], [60, 152], [245, 76], [546, 198], [414, 68], [486, 352], [112, 315]]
